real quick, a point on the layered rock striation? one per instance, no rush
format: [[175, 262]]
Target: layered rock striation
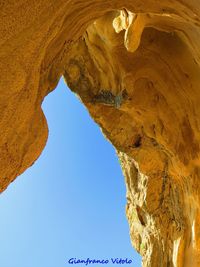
[[136, 67]]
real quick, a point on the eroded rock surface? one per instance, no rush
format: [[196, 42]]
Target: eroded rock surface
[[136, 67]]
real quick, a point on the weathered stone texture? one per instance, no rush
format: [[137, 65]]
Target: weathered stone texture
[[136, 67]]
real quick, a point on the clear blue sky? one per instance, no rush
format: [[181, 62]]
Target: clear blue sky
[[71, 202]]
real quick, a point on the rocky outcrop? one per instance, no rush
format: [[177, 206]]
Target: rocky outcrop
[[136, 67]]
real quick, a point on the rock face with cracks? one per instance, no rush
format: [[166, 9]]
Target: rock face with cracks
[[136, 67]]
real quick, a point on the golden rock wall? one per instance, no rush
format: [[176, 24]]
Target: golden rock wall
[[136, 67]]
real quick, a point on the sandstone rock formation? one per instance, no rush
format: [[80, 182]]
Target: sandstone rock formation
[[136, 67]]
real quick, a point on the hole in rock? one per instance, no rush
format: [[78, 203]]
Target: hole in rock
[[138, 141], [71, 202]]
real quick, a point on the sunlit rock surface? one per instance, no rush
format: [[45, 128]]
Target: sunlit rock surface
[[136, 67]]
